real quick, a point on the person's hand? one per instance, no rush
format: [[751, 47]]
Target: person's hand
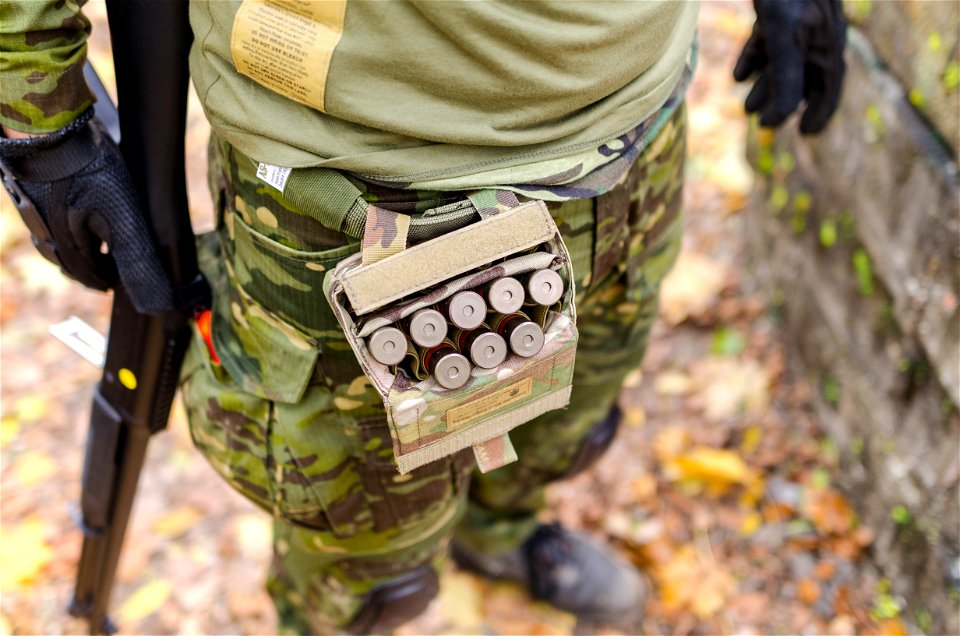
[[797, 51], [76, 196]]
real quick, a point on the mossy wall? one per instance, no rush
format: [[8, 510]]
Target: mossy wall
[[855, 235]]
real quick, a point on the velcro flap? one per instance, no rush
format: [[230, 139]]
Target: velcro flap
[[372, 286], [494, 453]]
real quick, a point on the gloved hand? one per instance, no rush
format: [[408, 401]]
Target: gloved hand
[[83, 196], [797, 49]]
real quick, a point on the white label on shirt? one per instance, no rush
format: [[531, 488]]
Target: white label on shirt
[[273, 175]]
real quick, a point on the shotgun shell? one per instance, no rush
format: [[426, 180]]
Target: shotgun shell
[[504, 295], [449, 368], [466, 309], [484, 348], [523, 335], [544, 287], [387, 345], [427, 327]]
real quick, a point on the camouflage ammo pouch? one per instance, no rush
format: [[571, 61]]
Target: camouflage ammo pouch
[[388, 281]]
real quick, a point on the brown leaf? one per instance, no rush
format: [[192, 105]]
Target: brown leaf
[[808, 591], [829, 511], [688, 583]]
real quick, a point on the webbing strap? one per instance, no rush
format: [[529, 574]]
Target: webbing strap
[[331, 199], [328, 197]]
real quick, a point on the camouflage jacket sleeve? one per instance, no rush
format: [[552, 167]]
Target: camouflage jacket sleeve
[[43, 45]]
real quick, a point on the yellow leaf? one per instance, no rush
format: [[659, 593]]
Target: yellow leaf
[[635, 416], [9, 429], [751, 523], [33, 467], [145, 601], [31, 408], [23, 553], [670, 442], [751, 439], [176, 522], [461, 602], [712, 465]]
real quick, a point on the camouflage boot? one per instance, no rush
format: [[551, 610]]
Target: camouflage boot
[[567, 570]]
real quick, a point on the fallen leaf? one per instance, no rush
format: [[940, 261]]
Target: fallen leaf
[[751, 523], [644, 488], [716, 468], [23, 553], [687, 583], [670, 441], [635, 416], [889, 627], [691, 287], [829, 511], [177, 521], [728, 387], [31, 408], [32, 467], [149, 598], [461, 602], [633, 379], [825, 570], [672, 383], [808, 591], [9, 429]]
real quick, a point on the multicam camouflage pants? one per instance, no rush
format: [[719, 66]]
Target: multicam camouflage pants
[[288, 419]]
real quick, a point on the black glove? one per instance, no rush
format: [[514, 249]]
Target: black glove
[[797, 48], [79, 196]]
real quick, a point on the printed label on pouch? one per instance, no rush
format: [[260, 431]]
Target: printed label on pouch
[[286, 45], [273, 175], [488, 403]]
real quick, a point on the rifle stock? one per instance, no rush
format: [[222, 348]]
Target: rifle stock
[[133, 398]]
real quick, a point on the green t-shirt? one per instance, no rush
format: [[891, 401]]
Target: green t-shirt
[[415, 91]]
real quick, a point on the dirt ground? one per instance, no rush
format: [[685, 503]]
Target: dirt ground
[[719, 487]]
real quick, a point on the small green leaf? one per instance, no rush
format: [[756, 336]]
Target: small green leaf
[[820, 479], [863, 271], [727, 342], [951, 76], [900, 515], [779, 197]]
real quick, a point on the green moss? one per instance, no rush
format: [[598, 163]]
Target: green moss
[[765, 161], [951, 76], [864, 272], [786, 162], [831, 390], [923, 619], [802, 201], [916, 98], [846, 226], [858, 10], [779, 197], [934, 42], [875, 119], [857, 447], [798, 223], [901, 516], [828, 233]]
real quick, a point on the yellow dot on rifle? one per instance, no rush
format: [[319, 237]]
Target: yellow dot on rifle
[[127, 378]]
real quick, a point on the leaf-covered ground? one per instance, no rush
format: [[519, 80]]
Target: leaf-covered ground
[[719, 488]]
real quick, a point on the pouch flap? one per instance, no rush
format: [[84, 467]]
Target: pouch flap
[[373, 286]]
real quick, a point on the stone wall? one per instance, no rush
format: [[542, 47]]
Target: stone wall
[[855, 235]]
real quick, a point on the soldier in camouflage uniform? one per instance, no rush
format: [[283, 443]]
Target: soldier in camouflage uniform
[[276, 400]]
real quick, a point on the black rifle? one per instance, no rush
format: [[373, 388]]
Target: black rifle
[[144, 353]]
